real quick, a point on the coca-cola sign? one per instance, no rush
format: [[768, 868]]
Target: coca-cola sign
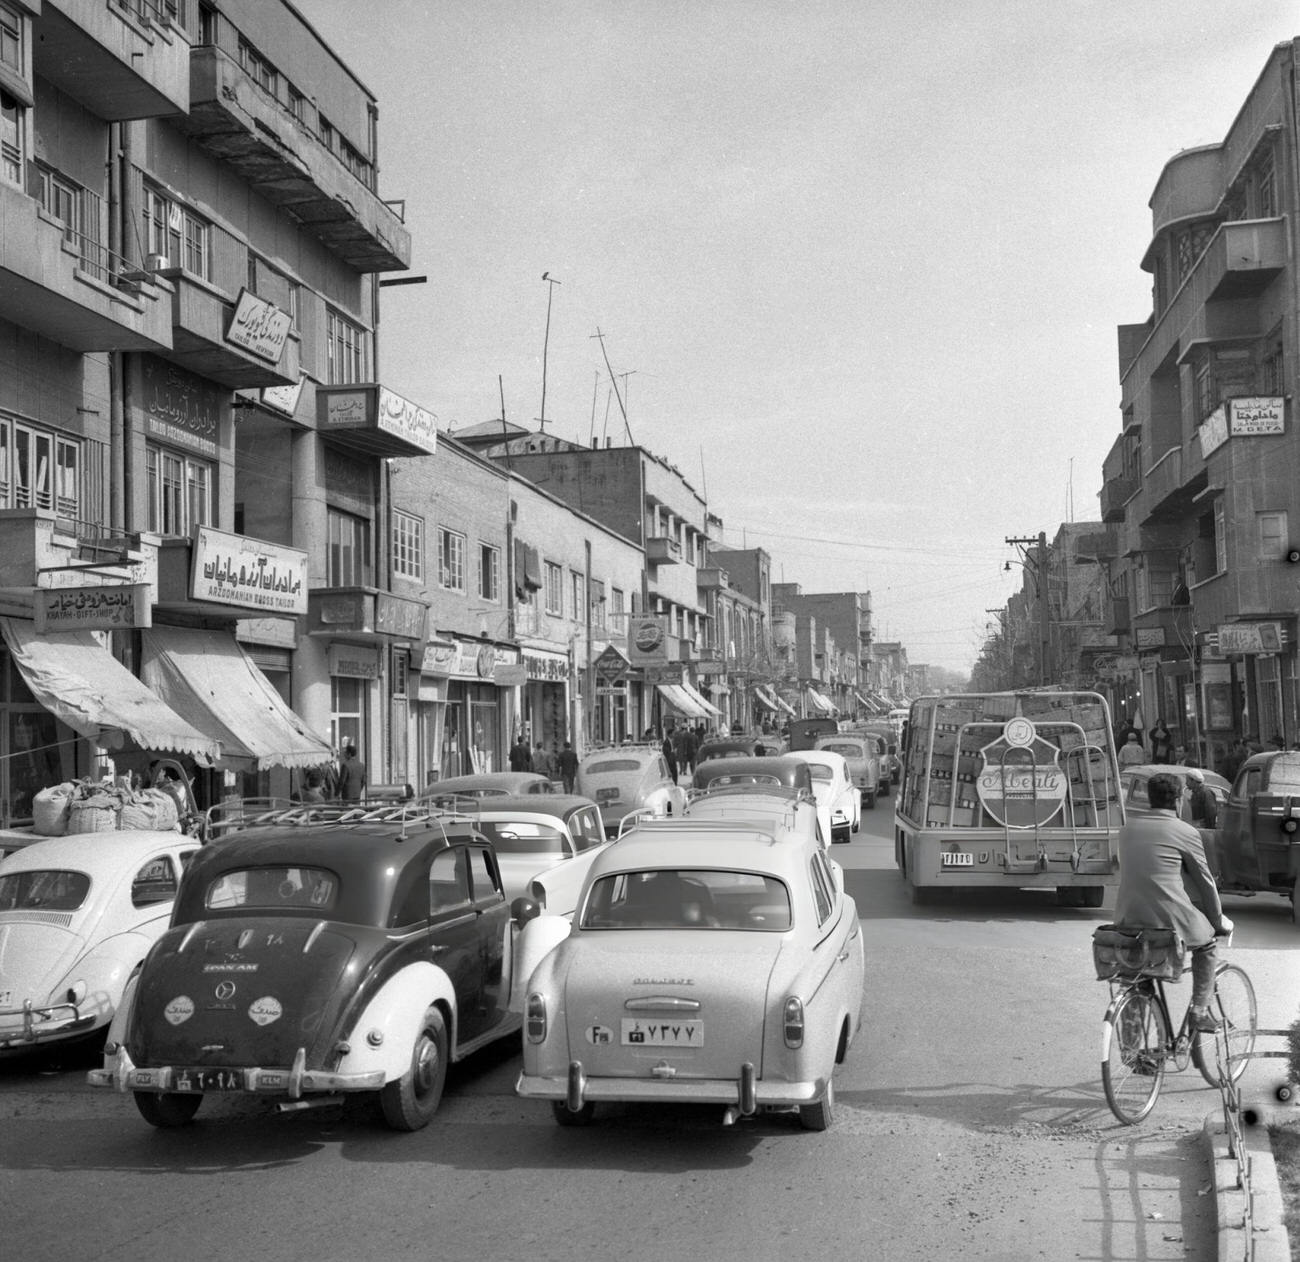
[[1021, 783]]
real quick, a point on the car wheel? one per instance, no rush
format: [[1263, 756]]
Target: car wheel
[[410, 1101], [1094, 895], [565, 1116], [171, 1108], [819, 1116], [841, 836], [1295, 902]]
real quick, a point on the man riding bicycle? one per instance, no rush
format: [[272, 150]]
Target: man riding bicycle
[[1165, 882]]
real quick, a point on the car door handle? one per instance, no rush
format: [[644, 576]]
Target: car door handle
[[844, 955]]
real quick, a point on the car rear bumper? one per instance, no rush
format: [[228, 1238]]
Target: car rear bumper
[[745, 1090], [295, 1082], [30, 1026]]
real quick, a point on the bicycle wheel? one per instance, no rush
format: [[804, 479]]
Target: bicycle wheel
[[1134, 1045], [1234, 1005]]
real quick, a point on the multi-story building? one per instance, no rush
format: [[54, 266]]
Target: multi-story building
[[192, 431], [1202, 481]]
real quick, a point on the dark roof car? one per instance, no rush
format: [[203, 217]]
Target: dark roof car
[[487, 784], [1259, 827], [324, 951], [775, 770], [733, 747]]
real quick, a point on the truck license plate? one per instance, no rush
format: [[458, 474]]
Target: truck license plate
[[956, 859]]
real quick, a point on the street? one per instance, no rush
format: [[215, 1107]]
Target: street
[[970, 1122]]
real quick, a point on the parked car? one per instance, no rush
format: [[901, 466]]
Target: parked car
[[734, 747], [886, 732], [865, 756], [486, 784], [804, 732], [837, 796], [318, 957], [533, 833], [777, 769], [709, 962], [1259, 827], [626, 778], [77, 914], [787, 812]]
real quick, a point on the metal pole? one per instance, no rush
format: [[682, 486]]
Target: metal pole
[[1044, 635]]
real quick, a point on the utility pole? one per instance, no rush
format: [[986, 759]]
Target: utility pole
[[1037, 567]]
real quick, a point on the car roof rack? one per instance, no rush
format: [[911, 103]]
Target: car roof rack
[[238, 814]]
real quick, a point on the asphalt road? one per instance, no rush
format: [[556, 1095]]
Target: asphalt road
[[970, 1124]]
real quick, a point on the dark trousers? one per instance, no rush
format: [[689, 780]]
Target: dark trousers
[[1205, 960]]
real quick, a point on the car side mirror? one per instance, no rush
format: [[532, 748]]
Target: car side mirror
[[524, 909]]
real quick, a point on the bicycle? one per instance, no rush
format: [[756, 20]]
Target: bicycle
[[1138, 1045]]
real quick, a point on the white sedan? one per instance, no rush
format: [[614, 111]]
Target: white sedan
[[838, 801], [77, 914], [705, 964]]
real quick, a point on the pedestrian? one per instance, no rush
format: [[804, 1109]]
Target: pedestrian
[[670, 756], [520, 758], [1202, 805], [313, 792], [1233, 759], [1122, 732], [352, 775], [568, 766], [1131, 753], [1165, 883], [542, 762], [1162, 743]]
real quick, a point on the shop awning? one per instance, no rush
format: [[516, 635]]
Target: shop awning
[[823, 704], [701, 700], [209, 679], [765, 698], [680, 699], [80, 682]]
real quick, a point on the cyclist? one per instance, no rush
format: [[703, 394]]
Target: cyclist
[[1157, 854]]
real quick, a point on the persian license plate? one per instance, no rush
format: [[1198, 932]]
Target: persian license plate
[[208, 1080], [956, 859], [606, 795], [638, 1033]]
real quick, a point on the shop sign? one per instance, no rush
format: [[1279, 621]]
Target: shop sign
[[510, 674], [1021, 783], [283, 399], [180, 408], [398, 616], [351, 661], [93, 608], [275, 632], [1149, 637], [1250, 637], [647, 639], [260, 327], [1126, 663], [439, 658], [710, 668], [611, 666], [485, 661], [402, 417], [664, 674], [345, 409], [1248, 417], [546, 668], [611, 690], [251, 573], [1213, 431]]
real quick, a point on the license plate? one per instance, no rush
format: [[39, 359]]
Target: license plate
[[606, 795], [208, 1080], [956, 859], [637, 1033]]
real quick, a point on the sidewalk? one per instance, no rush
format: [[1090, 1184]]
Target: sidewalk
[[1250, 1223]]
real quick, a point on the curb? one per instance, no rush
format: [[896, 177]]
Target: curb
[[1269, 1240]]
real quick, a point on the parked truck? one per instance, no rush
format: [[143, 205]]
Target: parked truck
[[1010, 789]]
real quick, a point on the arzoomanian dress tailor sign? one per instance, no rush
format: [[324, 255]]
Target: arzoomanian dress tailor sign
[[250, 573]]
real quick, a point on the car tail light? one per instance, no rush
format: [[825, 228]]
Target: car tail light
[[535, 1018], [537, 892], [1290, 824], [792, 1022]]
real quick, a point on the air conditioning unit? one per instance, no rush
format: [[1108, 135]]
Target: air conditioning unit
[[157, 263]]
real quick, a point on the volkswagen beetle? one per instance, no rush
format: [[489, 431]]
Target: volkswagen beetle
[[624, 778]]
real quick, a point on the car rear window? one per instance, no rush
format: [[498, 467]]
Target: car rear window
[[845, 748], [52, 890], [1284, 775], [820, 771], [740, 777], [518, 836], [688, 899], [611, 765], [273, 888]]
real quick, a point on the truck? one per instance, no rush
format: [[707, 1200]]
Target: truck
[[1010, 790]]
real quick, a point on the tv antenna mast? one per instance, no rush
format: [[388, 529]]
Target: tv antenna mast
[[551, 283]]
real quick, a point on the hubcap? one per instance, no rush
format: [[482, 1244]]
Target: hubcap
[[425, 1067]]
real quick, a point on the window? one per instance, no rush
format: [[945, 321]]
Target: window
[[598, 606], [11, 39], [177, 233], [273, 285], [328, 136], [346, 347], [579, 596], [1206, 395], [1270, 529], [451, 560], [297, 104], [207, 24], [39, 469], [349, 550], [1266, 190], [1271, 375], [1189, 247], [554, 584], [617, 609], [448, 880], [1220, 539], [485, 885], [489, 572], [13, 121], [61, 197], [258, 68], [181, 492], [408, 545]]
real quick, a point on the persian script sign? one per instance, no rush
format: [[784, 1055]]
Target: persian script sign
[[260, 327]]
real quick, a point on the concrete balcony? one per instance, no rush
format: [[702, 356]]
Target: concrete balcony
[[1161, 483], [1115, 493], [70, 290], [237, 122], [110, 59], [40, 548], [1117, 620], [1164, 627], [663, 550], [712, 579], [201, 320], [366, 614]]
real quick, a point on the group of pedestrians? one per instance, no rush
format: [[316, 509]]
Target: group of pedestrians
[[560, 764], [680, 745]]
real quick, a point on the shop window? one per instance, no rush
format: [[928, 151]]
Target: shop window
[[451, 560], [347, 350], [554, 584], [579, 595], [181, 492], [349, 550], [408, 546], [489, 572], [177, 233]]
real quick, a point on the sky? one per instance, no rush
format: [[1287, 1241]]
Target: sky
[[857, 265]]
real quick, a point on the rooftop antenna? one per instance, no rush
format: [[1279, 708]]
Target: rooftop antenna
[[551, 283], [595, 390], [505, 433], [600, 337]]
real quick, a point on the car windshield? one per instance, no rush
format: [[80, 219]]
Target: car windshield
[[611, 765], [688, 899], [43, 891], [519, 836], [847, 750], [273, 888]]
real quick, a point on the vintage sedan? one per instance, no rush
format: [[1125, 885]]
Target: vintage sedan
[[710, 961], [625, 778], [788, 813], [867, 763], [486, 784], [317, 955], [837, 795], [1259, 828], [77, 915], [533, 834]]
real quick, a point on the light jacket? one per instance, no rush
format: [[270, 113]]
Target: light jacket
[[1164, 879]]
